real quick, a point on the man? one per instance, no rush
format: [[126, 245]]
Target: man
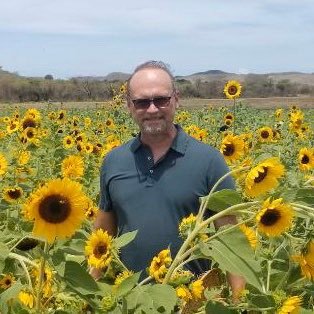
[[153, 181]]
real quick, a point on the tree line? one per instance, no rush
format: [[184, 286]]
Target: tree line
[[15, 88]]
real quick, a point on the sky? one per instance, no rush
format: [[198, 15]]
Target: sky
[[67, 38]]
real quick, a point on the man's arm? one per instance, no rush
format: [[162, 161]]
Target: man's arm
[[236, 282], [107, 222]]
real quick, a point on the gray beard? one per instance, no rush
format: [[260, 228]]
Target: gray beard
[[154, 129]]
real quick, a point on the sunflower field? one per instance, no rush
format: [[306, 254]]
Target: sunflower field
[[49, 183]]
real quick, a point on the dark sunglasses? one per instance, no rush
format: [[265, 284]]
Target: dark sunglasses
[[159, 102]]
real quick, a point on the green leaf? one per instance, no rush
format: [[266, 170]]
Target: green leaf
[[127, 284], [223, 199], [262, 301], [163, 296], [4, 254], [218, 308], [233, 253], [152, 299], [125, 239], [76, 248], [79, 278], [305, 195]]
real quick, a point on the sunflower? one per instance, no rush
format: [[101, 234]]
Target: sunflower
[[72, 167], [68, 142], [250, 235], [122, 276], [274, 218], [186, 225], [88, 148], [27, 299], [228, 116], [57, 209], [23, 157], [99, 249], [13, 126], [306, 159], [228, 122], [232, 89], [265, 134], [33, 114], [109, 123], [232, 147], [183, 293], [159, 265], [278, 114], [197, 288], [7, 281], [290, 305], [61, 115], [306, 261], [263, 177], [30, 133], [3, 164], [12, 195], [91, 212], [29, 122]]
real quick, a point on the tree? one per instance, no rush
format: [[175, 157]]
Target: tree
[[49, 77]]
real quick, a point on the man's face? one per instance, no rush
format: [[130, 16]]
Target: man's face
[[149, 84]]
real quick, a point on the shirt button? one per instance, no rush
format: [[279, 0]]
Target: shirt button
[[151, 171], [149, 158]]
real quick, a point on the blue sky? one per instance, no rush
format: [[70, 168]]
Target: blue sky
[[68, 38]]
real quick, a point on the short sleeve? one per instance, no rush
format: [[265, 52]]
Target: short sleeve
[[104, 196], [217, 169]]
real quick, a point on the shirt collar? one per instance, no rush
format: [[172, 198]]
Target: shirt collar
[[179, 143]]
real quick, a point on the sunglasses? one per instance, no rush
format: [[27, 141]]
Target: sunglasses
[[159, 102]]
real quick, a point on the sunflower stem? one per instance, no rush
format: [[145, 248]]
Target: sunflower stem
[[144, 281], [22, 258], [269, 264], [41, 278], [27, 274], [234, 116]]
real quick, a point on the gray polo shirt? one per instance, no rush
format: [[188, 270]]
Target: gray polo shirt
[[154, 197]]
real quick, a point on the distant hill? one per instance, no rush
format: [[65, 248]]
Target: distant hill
[[114, 76], [205, 76], [216, 75]]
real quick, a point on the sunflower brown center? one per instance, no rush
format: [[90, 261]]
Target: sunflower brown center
[[69, 141], [305, 159], [8, 282], [261, 175], [100, 250], [270, 217], [229, 149], [54, 209], [232, 90], [30, 134], [14, 194], [264, 134], [29, 123]]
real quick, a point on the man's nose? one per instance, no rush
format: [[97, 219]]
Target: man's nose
[[152, 108]]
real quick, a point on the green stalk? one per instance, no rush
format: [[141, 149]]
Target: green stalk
[[41, 278], [269, 263], [22, 258]]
